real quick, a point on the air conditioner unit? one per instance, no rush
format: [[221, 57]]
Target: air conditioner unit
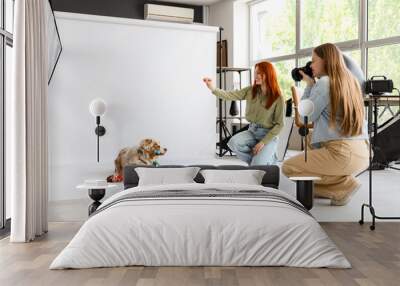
[[168, 13]]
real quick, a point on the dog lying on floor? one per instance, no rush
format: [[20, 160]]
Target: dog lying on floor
[[146, 154]]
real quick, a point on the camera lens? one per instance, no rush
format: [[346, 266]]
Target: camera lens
[[307, 69]]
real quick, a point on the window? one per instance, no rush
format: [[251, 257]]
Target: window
[[385, 61], [274, 22], [383, 19], [367, 30], [283, 69], [9, 19], [380, 62], [383, 46], [328, 21]]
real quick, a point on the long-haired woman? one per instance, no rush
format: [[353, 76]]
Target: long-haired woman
[[265, 108], [339, 139]]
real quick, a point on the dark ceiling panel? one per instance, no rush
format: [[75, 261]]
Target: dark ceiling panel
[[116, 8]]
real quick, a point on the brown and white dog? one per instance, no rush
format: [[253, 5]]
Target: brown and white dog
[[146, 154]]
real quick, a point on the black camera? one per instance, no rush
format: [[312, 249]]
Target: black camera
[[306, 69]]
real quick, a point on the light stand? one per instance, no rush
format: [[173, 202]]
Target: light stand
[[305, 138]]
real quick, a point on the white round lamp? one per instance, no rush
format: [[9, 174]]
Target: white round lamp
[[306, 108], [97, 108]]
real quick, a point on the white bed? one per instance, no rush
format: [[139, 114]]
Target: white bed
[[185, 230]]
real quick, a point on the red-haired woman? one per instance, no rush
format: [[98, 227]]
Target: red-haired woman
[[265, 109]]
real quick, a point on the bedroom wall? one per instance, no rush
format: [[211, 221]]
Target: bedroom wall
[[149, 73]]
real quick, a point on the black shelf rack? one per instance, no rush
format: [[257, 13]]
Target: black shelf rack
[[222, 114], [372, 101]]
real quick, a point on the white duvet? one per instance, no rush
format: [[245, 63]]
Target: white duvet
[[200, 231]]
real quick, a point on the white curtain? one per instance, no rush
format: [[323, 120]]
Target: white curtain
[[28, 122]]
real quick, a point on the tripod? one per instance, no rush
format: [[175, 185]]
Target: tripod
[[225, 130], [372, 126]]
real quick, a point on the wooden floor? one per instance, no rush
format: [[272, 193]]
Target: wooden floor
[[375, 257]]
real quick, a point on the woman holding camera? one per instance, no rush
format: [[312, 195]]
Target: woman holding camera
[[265, 108], [339, 139]]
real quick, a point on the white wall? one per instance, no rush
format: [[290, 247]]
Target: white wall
[[233, 16], [149, 73], [241, 38], [221, 15]]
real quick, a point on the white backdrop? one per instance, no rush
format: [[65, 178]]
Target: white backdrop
[[149, 73]]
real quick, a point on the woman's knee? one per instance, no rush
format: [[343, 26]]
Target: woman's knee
[[285, 168], [232, 144], [240, 142], [267, 155]]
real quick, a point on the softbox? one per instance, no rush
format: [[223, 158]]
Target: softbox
[[387, 142], [54, 41]]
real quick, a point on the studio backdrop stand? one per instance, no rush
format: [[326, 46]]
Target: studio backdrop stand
[[220, 121], [373, 127]]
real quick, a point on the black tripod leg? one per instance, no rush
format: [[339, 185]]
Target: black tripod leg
[[361, 221], [372, 210]]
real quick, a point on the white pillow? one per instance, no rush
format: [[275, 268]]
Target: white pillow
[[248, 177], [165, 176]]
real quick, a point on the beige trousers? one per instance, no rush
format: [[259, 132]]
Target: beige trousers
[[335, 163]]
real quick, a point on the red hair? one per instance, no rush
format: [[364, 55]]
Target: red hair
[[271, 81]]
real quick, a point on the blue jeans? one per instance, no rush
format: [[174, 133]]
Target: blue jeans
[[242, 144]]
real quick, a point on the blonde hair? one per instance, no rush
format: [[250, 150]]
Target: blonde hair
[[345, 92]]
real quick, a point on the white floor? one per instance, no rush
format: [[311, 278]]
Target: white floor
[[386, 200]]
